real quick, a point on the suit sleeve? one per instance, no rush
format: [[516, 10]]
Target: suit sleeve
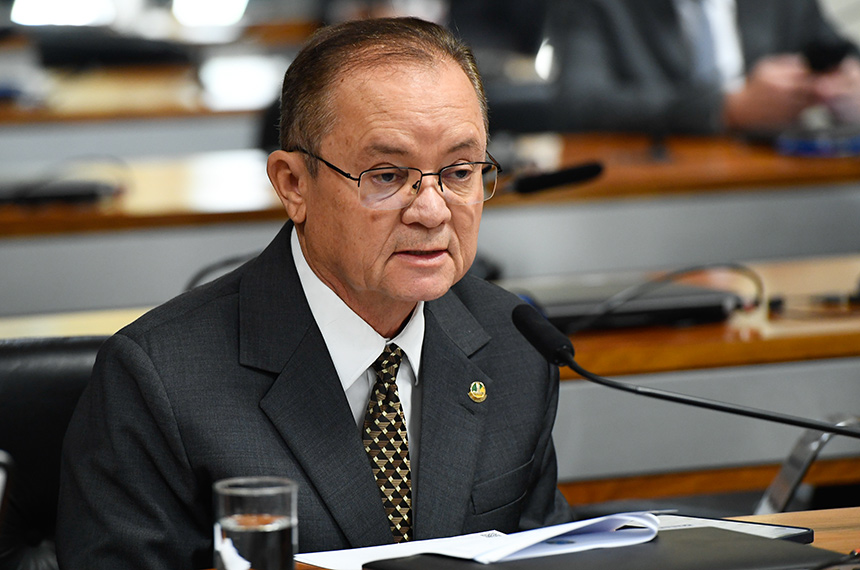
[[128, 498], [545, 505], [812, 26]]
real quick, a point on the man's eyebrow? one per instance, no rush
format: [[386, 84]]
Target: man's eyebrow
[[382, 149], [466, 145]]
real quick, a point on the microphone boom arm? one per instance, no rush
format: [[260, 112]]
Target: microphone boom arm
[[556, 347], [736, 409]]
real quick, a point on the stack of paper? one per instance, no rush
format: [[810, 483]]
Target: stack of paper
[[486, 547]]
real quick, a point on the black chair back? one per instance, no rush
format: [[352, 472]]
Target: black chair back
[[41, 381], [5, 467]]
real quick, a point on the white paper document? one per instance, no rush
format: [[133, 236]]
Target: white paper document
[[609, 531]]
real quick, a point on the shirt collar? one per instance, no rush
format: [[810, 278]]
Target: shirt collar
[[352, 343]]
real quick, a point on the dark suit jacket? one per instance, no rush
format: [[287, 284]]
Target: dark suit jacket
[[234, 379], [624, 65]]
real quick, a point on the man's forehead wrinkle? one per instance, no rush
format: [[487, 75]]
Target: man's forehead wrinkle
[[389, 127], [384, 149], [386, 142], [373, 63]]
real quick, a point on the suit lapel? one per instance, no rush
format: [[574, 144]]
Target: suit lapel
[[757, 32], [278, 334], [325, 441], [665, 36], [450, 421]]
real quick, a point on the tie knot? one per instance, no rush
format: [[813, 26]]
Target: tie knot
[[389, 361]]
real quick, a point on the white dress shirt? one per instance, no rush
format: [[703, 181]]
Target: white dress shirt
[[723, 21], [354, 346]]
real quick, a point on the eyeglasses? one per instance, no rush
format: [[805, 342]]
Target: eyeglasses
[[395, 187]]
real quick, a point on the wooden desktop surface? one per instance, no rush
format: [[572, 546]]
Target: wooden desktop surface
[[691, 164], [804, 330], [232, 186], [834, 529], [113, 94]]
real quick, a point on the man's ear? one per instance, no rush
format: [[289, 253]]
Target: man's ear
[[289, 176]]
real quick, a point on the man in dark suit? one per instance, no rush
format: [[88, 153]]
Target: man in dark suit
[[269, 370], [631, 65]]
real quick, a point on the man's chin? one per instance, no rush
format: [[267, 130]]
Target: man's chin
[[422, 291]]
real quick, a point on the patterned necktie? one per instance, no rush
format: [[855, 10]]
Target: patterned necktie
[[387, 445]]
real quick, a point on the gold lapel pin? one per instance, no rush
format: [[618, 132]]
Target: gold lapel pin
[[478, 392]]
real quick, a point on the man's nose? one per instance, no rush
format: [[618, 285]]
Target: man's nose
[[429, 206]]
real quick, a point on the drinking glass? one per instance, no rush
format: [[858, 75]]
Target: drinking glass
[[255, 523]]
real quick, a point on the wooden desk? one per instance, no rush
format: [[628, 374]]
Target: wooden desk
[[116, 93], [209, 188], [112, 94], [157, 109], [835, 529], [739, 342], [85, 323], [692, 165], [802, 332], [231, 187]]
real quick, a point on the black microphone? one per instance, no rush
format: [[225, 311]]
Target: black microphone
[[572, 175], [555, 346]]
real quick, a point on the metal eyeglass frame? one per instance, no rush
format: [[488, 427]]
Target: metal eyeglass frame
[[417, 185]]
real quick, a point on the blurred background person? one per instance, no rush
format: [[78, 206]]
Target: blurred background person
[[697, 66]]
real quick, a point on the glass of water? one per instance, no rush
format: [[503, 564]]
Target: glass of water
[[255, 523]]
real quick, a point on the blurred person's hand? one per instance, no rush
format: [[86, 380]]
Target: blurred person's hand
[[775, 92], [839, 90]]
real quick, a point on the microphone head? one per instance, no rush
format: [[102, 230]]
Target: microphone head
[[548, 340], [572, 175]]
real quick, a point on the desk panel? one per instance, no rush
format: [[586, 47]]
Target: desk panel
[[49, 146], [132, 268], [605, 434]]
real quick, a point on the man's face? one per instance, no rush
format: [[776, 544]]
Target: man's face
[[384, 261]]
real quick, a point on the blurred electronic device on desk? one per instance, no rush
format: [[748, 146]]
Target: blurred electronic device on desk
[[37, 191], [87, 46], [577, 302]]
